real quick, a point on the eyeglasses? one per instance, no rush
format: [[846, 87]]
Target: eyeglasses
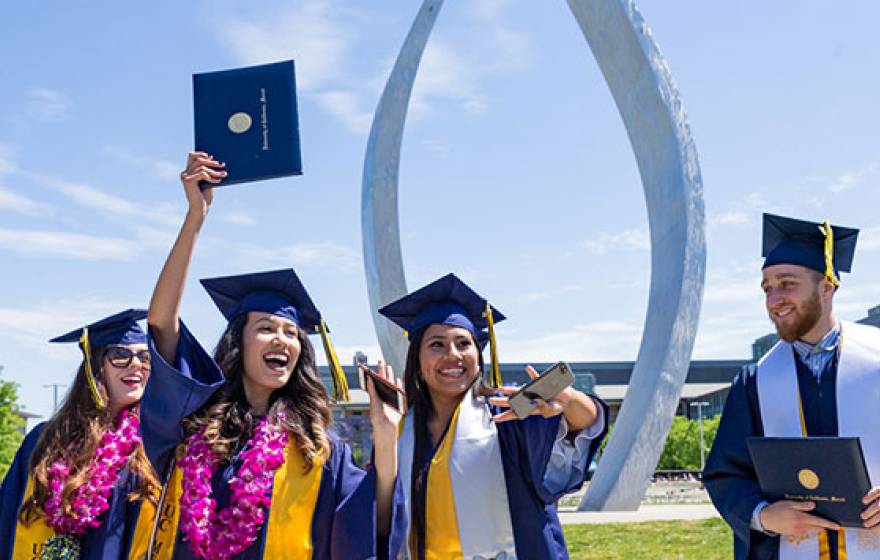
[[121, 356]]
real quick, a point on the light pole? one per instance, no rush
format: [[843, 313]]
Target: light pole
[[54, 395], [700, 406]]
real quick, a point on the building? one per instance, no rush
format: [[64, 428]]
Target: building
[[707, 380], [873, 317], [30, 420]]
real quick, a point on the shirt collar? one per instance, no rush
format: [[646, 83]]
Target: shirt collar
[[827, 344]]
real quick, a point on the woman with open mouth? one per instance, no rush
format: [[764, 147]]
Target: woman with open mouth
[[77, 482], [478, 482], [242, 439]]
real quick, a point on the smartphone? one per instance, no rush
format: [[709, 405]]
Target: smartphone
[[390, 393], [550, 383]]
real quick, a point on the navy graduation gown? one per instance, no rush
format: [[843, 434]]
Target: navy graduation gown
[[343, 522], [525, 447], [730, 476], [111, 540]]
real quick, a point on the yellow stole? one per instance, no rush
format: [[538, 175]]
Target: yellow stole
[[441, 522], [289, 534], [29, 539]]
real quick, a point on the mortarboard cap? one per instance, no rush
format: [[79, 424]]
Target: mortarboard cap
[[280, 293], [804, 243], [448, 301], [121, 328]]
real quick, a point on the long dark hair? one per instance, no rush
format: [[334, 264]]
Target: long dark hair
[[72, 435], [419, 398], [227, 418]]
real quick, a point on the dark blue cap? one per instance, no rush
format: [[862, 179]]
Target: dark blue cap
[[121, 328], [278, 292], [447, 301], [800, 242]]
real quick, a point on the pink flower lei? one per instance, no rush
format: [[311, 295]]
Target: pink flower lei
[[221, 535], [91, 500]]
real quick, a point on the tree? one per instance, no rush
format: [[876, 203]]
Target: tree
[[10, 424], [682, 449]]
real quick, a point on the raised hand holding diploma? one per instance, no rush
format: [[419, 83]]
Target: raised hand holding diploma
[[871, 515]]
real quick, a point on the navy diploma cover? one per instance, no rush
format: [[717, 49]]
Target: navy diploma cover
[[247, 118], [829, 471]]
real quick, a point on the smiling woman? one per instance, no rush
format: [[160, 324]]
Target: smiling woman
[[251, 469], [477, 483], [77, 482]]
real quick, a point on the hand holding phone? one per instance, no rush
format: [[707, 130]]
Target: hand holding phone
[[388, 391], [546, 386]]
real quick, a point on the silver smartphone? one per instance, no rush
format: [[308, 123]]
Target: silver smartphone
[[550, 383]]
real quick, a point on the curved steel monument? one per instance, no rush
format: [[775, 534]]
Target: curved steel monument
[[654, 117]]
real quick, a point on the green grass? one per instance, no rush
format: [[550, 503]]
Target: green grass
[[706, 539]]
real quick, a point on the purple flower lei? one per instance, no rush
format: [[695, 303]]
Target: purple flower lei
[[221, 535], [91, 499]]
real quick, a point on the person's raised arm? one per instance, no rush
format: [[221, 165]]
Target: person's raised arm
[[385, 422], [164, 311]]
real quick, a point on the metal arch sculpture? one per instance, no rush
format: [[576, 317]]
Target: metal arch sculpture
[[654, 117]]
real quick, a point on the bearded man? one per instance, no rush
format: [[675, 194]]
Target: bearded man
[[821, 379]]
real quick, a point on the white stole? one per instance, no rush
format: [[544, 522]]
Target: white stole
[[478, 484], [858, 399]]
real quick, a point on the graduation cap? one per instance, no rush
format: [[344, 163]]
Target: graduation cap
[[121, 328], [278, 292], [449, 301], [821, 247]]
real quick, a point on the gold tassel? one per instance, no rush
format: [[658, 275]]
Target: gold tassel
[[829, 253], [495, 372], [90, 375], [340, 384]]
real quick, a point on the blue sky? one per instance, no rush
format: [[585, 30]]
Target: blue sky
[[516, 170]]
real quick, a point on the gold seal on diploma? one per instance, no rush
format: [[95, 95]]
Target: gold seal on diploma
[[808, 479], [240, 123]]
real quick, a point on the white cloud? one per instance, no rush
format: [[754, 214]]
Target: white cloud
[[551, 293], [756, 200], [7, 159], [855, 178], [437, 148], [252, 256], [110, 206], [36, 324], [161, 169], [238, 217], [738, 291], [40, 243], [634, 239], [21, 204], [347, 107], [48, 105], [509, 48], [313, 33], [443, 74], [601, 340], [869, 239], [734, 218]]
